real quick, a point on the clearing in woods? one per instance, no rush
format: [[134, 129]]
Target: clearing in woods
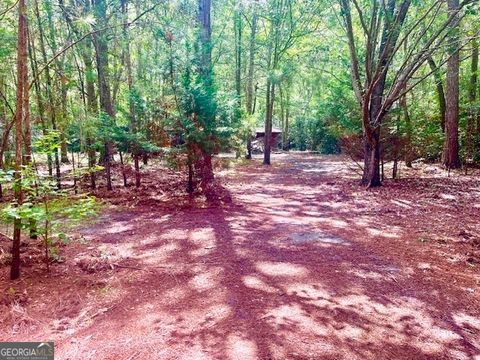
[[302, 263]]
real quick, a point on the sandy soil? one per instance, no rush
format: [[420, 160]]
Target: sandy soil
[[302, 263]]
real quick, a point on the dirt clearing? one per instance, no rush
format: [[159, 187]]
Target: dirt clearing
[[302, 263]]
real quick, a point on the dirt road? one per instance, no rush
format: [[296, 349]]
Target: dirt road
[[302, 264]]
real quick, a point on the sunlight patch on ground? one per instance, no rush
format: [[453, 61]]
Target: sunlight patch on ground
[[159, 253], [161, 219], [313, 213], [381, 232], [402, 203], [471, 327], [397, 320], [192, 322], [205, 239], [290, 220], [202, 251], [314, 170], [244, 253], [206, 280], [291, 317], [239, 348], [194, 353], [368, 275], [174, 234], [309, 292], [204, 236], [448, 197], [254, 282], [281, 213], [281, 269], [174, 294], [332, 204], [316, 237], [118, 228], [340, 224]]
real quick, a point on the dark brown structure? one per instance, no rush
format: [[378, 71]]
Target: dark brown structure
[[259, 142]]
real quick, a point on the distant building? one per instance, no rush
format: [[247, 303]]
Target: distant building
[[259, 142]]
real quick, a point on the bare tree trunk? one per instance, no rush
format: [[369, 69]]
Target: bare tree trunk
[[249, 103], [89, 93], [48, 86], [251, 60], [63, 141], [238, 52], [26, 111], [451, 157], [106, 105], [39, 97], [92, 109], [472, 98], [22, 78], [131, 102], [4, 124], [440, 92], [56, 115], [286, 134], [408, 126], [124, 173], [371, 172], [269, 122]]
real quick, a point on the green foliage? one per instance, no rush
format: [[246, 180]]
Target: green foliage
[[49, 210], [49, 143]]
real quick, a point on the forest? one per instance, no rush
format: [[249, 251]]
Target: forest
[[240, 179]]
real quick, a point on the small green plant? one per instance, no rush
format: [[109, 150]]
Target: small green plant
[[45, 211]]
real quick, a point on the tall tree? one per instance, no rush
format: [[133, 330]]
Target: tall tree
[[20, 113], [106, 104], [131, 91], [51, 109], [440, 91], [249, 102], [472, 99], [451, 152], [384, 32], [205, 107]]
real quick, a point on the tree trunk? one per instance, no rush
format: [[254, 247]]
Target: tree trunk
[[268, 122], [93, 110], [131, 102], [56, 115], [472, 98], [249, 103], [251, 60], [238, 52], [49, 89], [4, 124], [286, 125], [371, 96], [22, 79], [451, 157], [440, 92], [124, 173], [205, 70], [371, 171], [63, 141], [408, 126], [27, 128], [75, 189], [106, 105], [39, 97]]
